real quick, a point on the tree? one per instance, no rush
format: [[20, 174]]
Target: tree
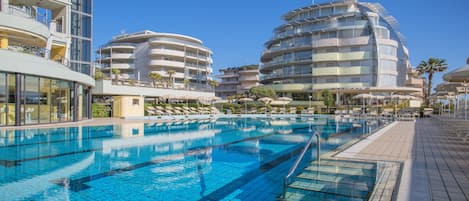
[[261, 91], [213, 84], [155, 77], [116, 73], [432, 65], [328, 99], [171, 78], [98, 74]]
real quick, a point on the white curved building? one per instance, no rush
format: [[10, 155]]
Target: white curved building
[[138, 54], [345, 45], [45, 54]]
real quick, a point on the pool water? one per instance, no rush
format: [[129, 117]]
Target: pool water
[[222, 159]]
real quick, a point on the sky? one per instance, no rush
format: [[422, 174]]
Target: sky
[[237, 30]]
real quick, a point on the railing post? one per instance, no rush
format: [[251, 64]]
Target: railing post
[[318, 150]]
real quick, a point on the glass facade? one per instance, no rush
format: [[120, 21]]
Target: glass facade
[[356, 46], [81, 31], [41, 100]]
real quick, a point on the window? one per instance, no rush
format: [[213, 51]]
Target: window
[[135, 101]]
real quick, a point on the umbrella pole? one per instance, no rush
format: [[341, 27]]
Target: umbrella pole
[[465, 100]]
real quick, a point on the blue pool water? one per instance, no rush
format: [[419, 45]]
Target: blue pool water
[[223, 159]]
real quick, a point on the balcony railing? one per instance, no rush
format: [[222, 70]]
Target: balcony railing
[[40, 52], [27, 12], [162, 85]]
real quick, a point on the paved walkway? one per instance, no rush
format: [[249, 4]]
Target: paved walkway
[[436, 159]]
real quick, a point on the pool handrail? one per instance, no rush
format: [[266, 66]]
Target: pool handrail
[[300, 157]]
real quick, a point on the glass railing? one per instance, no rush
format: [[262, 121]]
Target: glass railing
[[288, 61], [320, 27], [40, 52], [28, 13], [280, 75], [162, 85], [287, 47]]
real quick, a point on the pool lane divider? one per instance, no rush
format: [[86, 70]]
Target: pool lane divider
[[78, 184], [12, 163]]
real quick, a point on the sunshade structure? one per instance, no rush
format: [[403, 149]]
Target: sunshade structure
[[460, 75], [285, 101], [363, 97], [245, 100]]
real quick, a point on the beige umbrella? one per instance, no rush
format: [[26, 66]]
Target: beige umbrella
[[285, 100], [363, 97], [265, 100], [245, 100]]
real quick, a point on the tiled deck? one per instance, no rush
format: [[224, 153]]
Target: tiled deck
[[436, 163]]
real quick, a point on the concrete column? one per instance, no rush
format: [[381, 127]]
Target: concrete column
[[3, 40]]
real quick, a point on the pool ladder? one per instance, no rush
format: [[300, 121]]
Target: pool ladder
[[298, 160]]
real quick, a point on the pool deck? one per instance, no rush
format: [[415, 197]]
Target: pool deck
[[435, 162]]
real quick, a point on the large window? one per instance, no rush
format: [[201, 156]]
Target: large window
[[30, 100], [41, 100], [11, 107], [44, 100], [3, 99]]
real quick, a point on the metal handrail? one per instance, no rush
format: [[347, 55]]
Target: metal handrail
[[298, 160]]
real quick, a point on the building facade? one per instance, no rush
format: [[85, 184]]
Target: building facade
[[37, 82], [237, 80], [181, 60], [338, 46]]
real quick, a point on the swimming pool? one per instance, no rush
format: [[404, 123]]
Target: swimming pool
[[226, 158]]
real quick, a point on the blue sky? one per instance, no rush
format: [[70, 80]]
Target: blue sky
[[237, 30]]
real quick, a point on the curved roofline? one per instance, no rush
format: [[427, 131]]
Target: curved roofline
[[293, 12], [150, 34]]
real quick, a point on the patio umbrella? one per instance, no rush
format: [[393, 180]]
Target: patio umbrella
[[363, 97], [245, 100], [285, 100], [460, 75], [265, 100]]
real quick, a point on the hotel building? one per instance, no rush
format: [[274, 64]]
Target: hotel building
[[346, 47], [183, 63], [41, 80], [138, 54], [237, 80]]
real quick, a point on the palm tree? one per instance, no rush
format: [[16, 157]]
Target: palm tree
[[171, 78], [214, 84], [156, 77], [116, 73], [432, 65]]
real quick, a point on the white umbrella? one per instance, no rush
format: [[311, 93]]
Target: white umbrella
[[265, 100], [363, 97], [245, 100], [286, 101]]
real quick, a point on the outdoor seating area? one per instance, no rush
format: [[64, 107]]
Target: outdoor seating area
[[169, 110]]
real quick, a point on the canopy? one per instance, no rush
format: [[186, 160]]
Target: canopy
[[363, 96], [265, 99], [458, 75], [284, 99], [245, 100]]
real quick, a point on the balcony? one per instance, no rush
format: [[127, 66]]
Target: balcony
[[249, 78], [23, 25], [339, 56], [273, 51], [167, 63], [278, 76], [122, 66], [122, 56], [168, 52], [338, 42], [31, 64], [338, 71], [293, 61]]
